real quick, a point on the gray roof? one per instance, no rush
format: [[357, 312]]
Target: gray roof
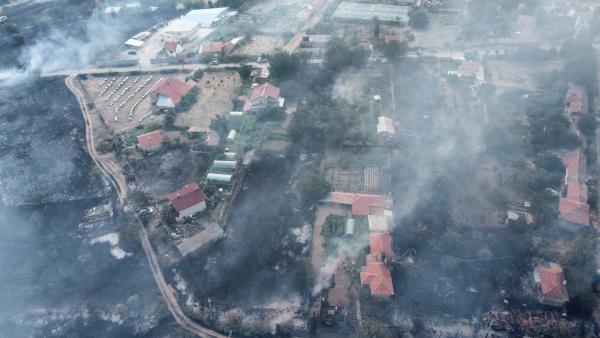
[[362, 11]]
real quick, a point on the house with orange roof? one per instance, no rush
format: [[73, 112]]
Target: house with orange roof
[[188, 201], [262, 96], [150, 141], [552, 283], [573, 207], [577, 101], [168, 92], [378, 277], [362, 204]]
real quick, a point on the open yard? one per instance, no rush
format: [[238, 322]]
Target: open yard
[[521, 75], [217, 90], [260, 44]]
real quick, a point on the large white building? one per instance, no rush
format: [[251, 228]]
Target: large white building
[[187, 26]]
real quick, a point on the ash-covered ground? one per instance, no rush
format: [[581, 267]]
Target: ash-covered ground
[[62, 275]]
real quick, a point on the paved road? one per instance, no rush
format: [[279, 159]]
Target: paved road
[[153, 68], [116, 178]]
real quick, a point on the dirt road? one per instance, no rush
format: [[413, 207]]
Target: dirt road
[[114, 174]]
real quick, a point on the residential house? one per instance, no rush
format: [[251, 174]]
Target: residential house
[[168, 92], [150, 141], [173, 48], [381, 244], [262, 96], [378, 277], [212, 49], [577, 102], [553, 286], [385, 128], [362, 204], [188, 201], [471, 70], [573, 208]]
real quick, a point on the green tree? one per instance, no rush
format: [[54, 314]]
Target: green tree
[[587, 124], [188, 100], [169, 119], [284, 65], [340, 55], [270, 114], [313, 187], [418, 19], [220, 124], [245, 71], [18, 39], [376, 27], [394, 49]]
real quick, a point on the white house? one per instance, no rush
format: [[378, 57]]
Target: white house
[[188, 201]]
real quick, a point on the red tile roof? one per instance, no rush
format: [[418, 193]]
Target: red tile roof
[[171, 46], [573, 211], [577, 100], [365, 204], [381, 243], [378, 277], [551, 280], [469, 68], [575, 164], [264, 90], [187, 197], [393, 37], [149, 140], [171, 87], [212, 47]]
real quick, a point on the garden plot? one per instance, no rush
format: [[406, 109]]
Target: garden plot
[[360, 171]]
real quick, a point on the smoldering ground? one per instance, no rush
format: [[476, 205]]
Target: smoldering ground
[[53, 279]]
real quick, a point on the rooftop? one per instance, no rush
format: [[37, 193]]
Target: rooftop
[[195, 18], [171, 87], [149, 140], [187, 197], [552, 284]]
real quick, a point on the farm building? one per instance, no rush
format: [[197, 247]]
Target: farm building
[[150, 141], [187, 26], [188, 201], [553, 286], [168, 92]]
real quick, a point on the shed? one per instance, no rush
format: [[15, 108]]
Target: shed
[[350, 227], [219, 177], [230, 156], [224, 164], [232, 135]]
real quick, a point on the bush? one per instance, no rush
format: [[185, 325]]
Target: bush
[[587, 124], [188, 100], [270, 114], [313, 187]]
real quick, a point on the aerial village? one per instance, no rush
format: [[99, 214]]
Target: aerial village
[[448, 184]]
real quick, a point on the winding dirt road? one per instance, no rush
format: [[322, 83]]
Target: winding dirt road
[[113, 172]]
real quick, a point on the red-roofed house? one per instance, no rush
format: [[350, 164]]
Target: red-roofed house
[[172, 48], [188, 201], [378, 277], [574, 211], [150, 141], [381, 243], [261, 97], [472, 70], [169, 91], [213, 48], [553, 289], [362, 204], [577, 101], [366, 204], [575, 164]]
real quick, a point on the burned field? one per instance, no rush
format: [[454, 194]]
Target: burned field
[[57, 275], [41, 149], [262, 262]]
